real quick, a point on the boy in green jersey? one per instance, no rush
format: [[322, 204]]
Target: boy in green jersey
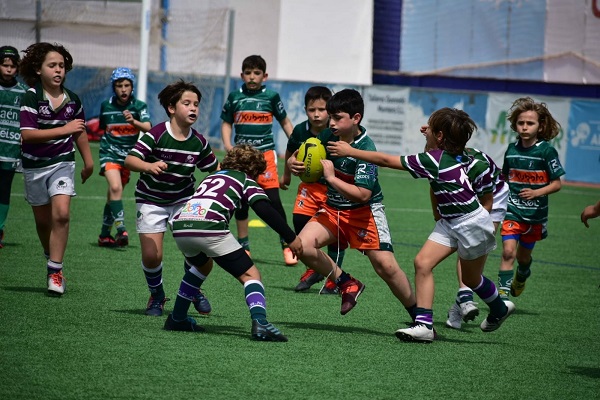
[[122, 117], [11, 92], [311, 196], [252, 110], [532, 170]]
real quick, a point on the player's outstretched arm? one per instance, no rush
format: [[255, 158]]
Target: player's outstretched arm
[[343, 149], [267, 213], [592, 211]]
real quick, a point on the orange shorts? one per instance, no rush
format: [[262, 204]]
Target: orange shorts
[[125, 173], [523, 232], [310, 198], [270, 178], [363, 228]]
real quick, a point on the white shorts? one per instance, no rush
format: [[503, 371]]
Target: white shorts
[[212, 246], [43, 183], [472, 234], [154, 219], [500, 203]]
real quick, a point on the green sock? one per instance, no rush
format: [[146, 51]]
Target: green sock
[[107, 221], [504, 280], [255, 299], [337, 258], [3, 214], [245, 242], [524, 271], [116, 209]]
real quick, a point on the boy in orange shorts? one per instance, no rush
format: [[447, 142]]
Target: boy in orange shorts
[[311, 196], [252, 109], [353, 215], [122, 117]]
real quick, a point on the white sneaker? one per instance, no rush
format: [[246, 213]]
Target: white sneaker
[[454, 320], [56, 283], [492, 323], [469, 310], [416, 333]]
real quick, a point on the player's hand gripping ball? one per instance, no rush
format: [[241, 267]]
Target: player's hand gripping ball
[[311, 153]]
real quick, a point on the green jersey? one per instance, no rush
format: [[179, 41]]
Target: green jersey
[[533, 167], [252, 112], [355, 172], [10, 129], [119, 135]]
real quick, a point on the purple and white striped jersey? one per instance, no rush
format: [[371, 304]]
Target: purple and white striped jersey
[[451, 179], [209, 210], [175, 184], [37, 113]]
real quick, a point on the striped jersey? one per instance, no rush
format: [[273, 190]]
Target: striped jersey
[[355, 172], [252, 112], [10, 129], [119, 135], [175, 184], [38, 113], [494, 176], [299, 135], [451, 178], [533, 167], [209, 210]]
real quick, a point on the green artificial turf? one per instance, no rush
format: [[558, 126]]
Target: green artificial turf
[[96, 343]]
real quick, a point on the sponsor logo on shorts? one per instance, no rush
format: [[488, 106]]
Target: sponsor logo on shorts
[[362, 235], [62, 184]]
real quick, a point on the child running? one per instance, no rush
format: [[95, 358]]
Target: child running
[[353, 214], [201, 230], [311, 196], [11, 93], [52, 119], [122, 117], [533, 171], [166, 157], [464, 308], [464, 225]]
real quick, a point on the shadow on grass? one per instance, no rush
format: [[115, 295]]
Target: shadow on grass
[[259, 261], [590, 372], [520, 311], [332, 327], [30, 289], [113, 248]]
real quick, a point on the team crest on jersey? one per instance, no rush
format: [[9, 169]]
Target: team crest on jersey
[[45, 110], [190, 159], [301, 204], [69, 112]]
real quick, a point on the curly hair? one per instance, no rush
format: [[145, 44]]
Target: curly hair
[[457, 127], [549, 127], [245, 158], [34, 58]]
